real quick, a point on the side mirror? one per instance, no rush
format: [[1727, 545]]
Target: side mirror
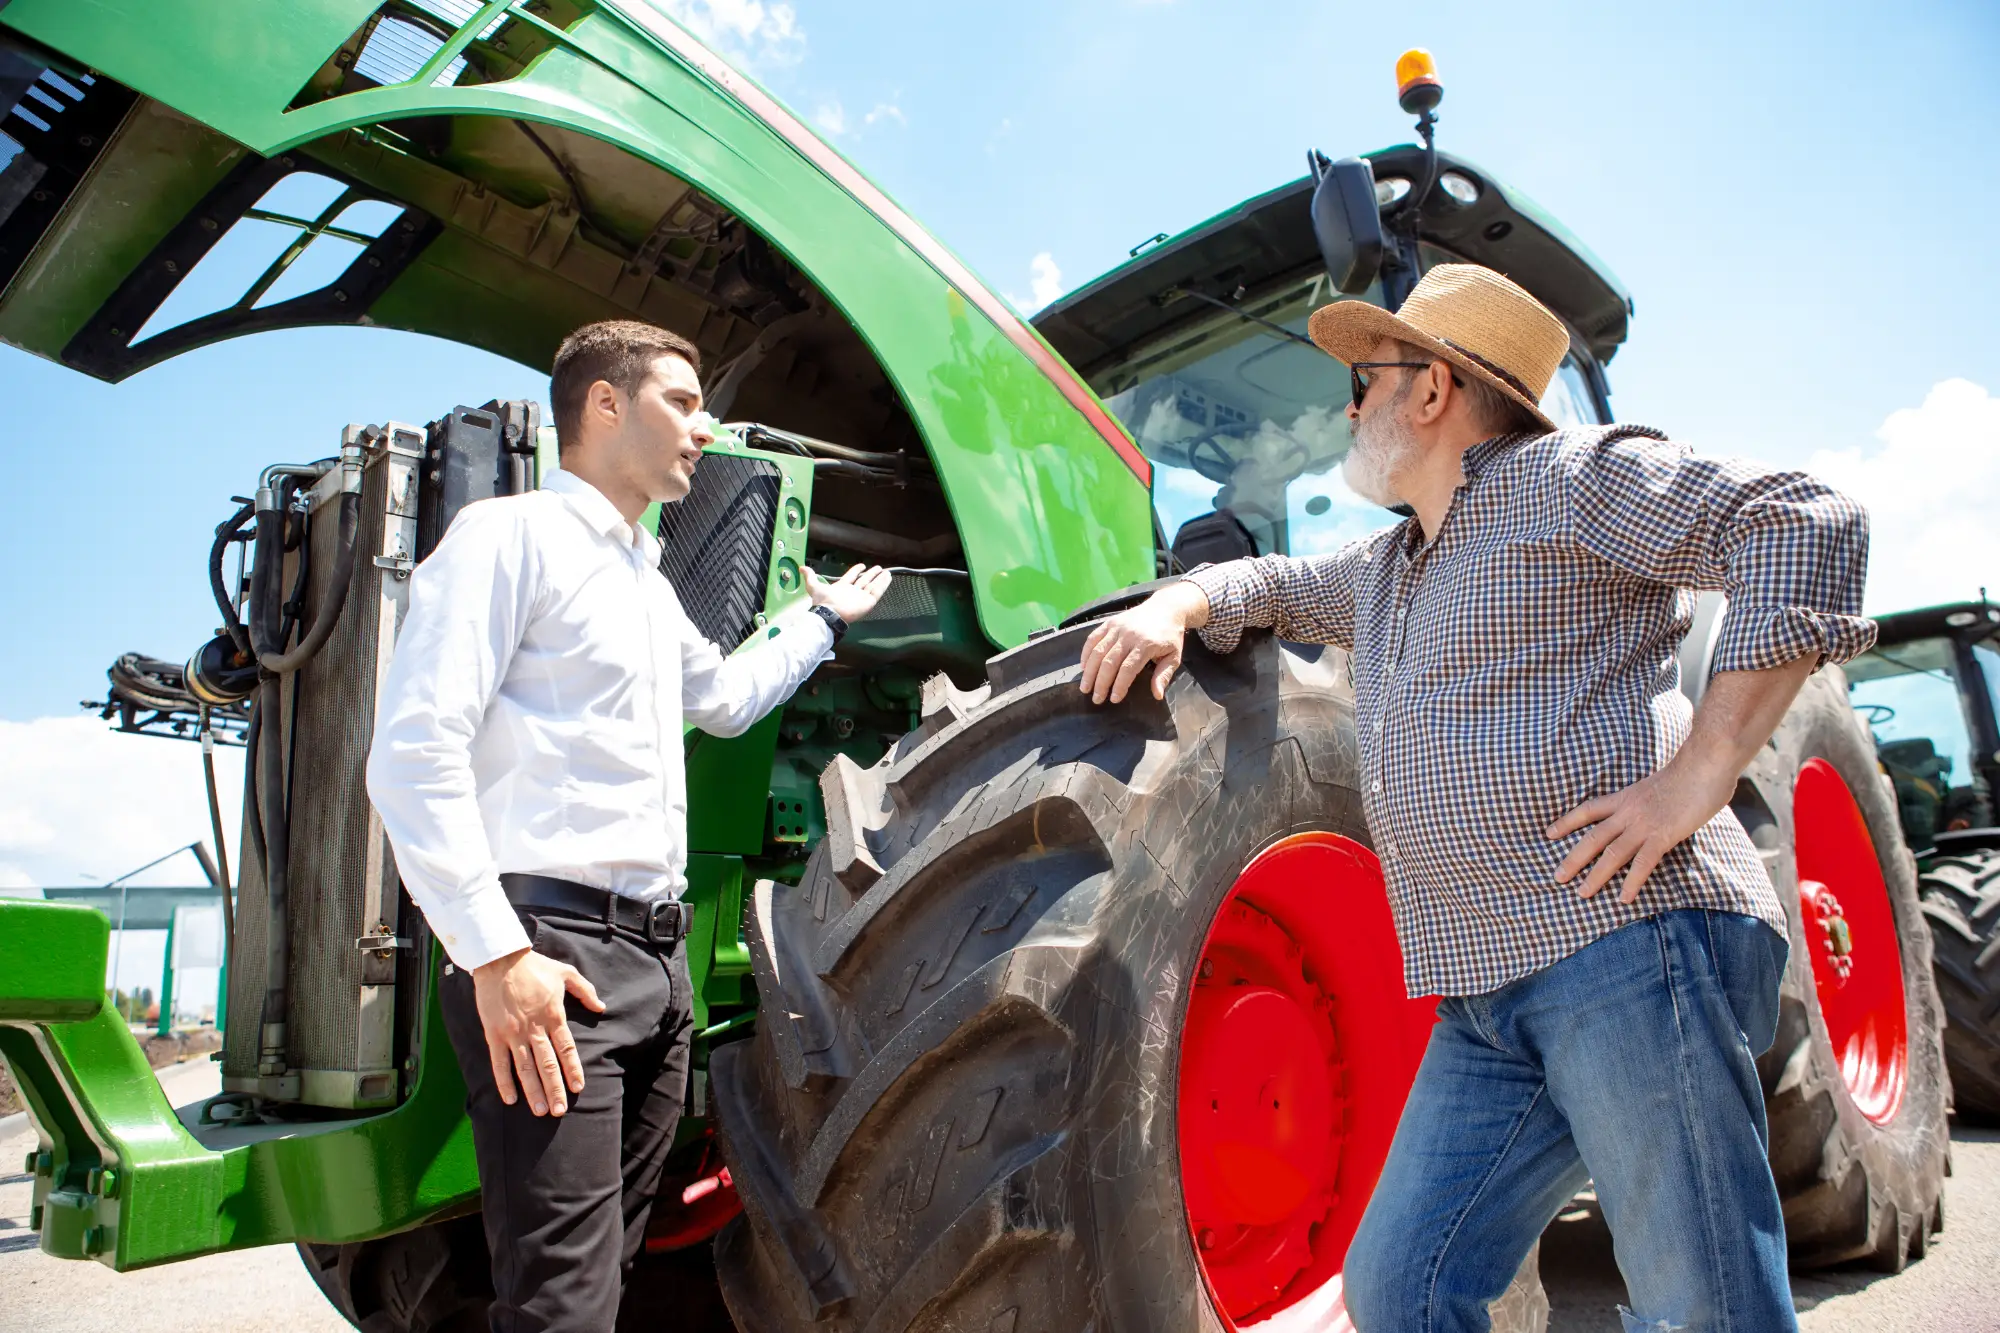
[[1346, 221]]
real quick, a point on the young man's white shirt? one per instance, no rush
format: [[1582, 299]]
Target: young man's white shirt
[[531, 720]]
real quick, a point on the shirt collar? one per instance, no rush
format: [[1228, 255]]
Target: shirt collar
[[599, 514], [1479, 455]]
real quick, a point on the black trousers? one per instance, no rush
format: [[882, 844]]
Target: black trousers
[[566, 1199]]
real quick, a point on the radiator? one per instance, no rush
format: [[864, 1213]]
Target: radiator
[[357, 948]]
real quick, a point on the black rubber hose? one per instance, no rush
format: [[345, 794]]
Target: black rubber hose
[[225, 533], [269, 655], [294, 605], [221, 846], [253, 803], [267, 564], [277, 852]]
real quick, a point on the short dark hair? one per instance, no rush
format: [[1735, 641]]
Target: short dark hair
[[618, 351]]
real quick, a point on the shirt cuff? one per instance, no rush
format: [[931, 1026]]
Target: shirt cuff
[[478, 926], [800, 620], [1226, 606], [1758, 638]]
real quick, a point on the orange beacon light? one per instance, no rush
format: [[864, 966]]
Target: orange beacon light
[[1417, 86]]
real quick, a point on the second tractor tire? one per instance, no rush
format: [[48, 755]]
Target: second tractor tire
[[1860, 1181], [1961, 898]]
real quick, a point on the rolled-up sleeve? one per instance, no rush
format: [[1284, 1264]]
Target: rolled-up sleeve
[[1789, 551], [1307, 599]]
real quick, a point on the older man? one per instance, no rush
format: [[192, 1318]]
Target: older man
[[1553, 825]]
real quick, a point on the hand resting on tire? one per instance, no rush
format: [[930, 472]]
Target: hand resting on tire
[[1153, 631]]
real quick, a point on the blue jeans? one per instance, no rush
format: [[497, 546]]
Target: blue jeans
[[1631, 1063]]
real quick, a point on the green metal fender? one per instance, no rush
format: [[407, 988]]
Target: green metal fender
[[1050, 494], [1050, 497]]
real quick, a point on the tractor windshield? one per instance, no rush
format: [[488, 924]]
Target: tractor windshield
[[1241, 415], [1909, 695], [1237, 416]]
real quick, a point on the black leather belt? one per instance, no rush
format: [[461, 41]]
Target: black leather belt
[[662, 923]]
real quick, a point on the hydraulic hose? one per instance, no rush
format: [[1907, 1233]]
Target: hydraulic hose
[[277, 855], [221, 847], [271, 655], [269, 627], [225, 533]]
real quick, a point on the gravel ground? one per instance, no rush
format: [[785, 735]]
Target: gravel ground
[[1954, 1290]]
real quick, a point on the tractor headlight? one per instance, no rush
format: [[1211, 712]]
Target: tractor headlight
[[1460, 187], [1390, 189]]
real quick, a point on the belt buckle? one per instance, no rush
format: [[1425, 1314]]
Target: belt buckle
[[663, 911]]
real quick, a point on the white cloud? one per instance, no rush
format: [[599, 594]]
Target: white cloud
[[749, 30], [80, 802], [832, 119], [1045, 284], [1932, 489]]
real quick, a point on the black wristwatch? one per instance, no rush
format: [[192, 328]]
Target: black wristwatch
[[833, 621]]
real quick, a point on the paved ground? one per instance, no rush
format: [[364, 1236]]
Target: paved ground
[[1954, 1290], [253, 1291]]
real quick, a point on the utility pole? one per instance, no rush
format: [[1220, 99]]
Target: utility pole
[[123, 887]]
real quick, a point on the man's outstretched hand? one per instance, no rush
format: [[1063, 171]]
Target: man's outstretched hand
[[852, 595], [520, 998], [1153, 631]]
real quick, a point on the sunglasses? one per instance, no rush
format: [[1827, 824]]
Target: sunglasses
[[1359, 386]]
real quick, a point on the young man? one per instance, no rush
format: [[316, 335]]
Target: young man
[[1552, 824], [528, 767]]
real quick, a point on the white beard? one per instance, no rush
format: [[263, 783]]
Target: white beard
[[1383, 446]]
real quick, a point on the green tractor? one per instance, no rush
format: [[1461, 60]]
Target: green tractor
[[1930, 693], [992, 984]]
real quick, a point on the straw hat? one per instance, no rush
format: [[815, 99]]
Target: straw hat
[[1465, 314]]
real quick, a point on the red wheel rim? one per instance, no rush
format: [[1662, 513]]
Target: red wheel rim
[[694, 1204], [1296, 1057], [1850, 929]]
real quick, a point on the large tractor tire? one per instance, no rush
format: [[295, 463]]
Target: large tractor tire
[[437, 1278], [1855, 1081], [1079, 1019], [429, 1279], [1962, 901]]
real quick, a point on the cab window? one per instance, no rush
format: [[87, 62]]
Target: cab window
[[1246, 424], [1909, 696]]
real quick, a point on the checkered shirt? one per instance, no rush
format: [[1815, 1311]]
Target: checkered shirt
[[1523, 661]]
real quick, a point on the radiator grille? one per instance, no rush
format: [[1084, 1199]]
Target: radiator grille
[[340, 1025], [717, 544]]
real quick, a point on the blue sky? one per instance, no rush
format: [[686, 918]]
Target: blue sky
[[1800, 197]]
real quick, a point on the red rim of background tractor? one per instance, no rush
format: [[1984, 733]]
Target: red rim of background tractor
[[1297, 1054], [1850, 929]]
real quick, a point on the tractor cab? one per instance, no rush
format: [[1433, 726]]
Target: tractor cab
[[1929, 691], [1198, 344]]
